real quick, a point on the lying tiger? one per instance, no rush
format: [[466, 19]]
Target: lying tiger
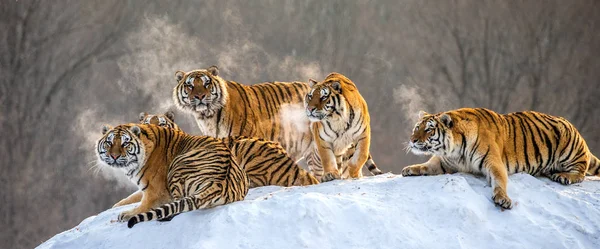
[[265, 162], [484, 142], [174, 171], [225, 108]]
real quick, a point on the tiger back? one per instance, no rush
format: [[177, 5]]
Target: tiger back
[[201, 173], [265, 162], [339, 120], [481, 141]]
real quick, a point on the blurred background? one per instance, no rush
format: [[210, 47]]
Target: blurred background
[[68, 67]]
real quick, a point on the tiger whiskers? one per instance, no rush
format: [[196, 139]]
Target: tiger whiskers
[[95, 167], [407, 148]]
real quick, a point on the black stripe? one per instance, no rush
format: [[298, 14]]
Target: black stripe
[[483, 159]]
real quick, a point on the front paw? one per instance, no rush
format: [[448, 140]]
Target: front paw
[[501, 199], [566, 178], [125, 216], [330, 176], [415, 170]]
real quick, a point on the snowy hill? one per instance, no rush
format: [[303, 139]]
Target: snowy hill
[[387, 211]]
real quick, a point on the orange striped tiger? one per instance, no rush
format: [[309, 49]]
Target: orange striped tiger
[[339, 120], [165, 120], [174, 171], [484, 142], [226, 108], [265, 162]]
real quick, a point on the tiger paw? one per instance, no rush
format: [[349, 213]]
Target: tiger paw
[[501, 199], [125, 216], [415, 170], [566, 178], [329, 176], [376, 172]]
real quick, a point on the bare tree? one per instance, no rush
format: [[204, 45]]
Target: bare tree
[[42, 65]]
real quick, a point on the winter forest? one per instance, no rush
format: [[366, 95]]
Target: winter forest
[[68, 67]]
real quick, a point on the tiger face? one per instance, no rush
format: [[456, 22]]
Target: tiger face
[[165, 120], [431, 135], [199, 91], [121, 147], [324, 100]]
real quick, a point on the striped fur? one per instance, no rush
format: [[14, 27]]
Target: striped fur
[[174, 171], [339, 121], [496, 145], [266, 110], [265, 162], [165, 120], [226, 108]]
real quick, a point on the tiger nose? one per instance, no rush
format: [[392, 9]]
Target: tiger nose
[[311, 108], [415, 140], [114, 157]]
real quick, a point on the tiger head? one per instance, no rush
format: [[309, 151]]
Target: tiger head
[[325, 100], [201, 91], [165, 120], [122, 147], [432, 135]]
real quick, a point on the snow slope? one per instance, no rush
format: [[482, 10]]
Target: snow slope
[[387, 211]]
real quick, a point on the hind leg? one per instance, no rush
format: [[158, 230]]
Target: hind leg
[[574, 173]]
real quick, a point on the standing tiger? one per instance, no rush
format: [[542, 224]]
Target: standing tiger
[[267, 110], [339, 121], [265, 162], [174, 171], [484, 142]]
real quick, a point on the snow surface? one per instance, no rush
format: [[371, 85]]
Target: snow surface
[[386, 211]]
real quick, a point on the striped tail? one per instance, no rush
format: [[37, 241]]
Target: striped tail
[[594, 167], [372, 167], [165, 211]]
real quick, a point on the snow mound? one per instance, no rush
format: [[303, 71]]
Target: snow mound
[[386, 211]]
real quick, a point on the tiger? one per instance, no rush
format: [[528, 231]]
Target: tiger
[[340, 120], [225, 108], [175, 172], [265, 162], [166, 120], [481, 141]]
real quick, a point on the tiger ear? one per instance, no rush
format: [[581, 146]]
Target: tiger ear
[[422, 114], [179, 75], [214, 70], [336, 86], [447, 120], [170, 115], [106, 128], [142, 116], [312, 82], [135, 130]]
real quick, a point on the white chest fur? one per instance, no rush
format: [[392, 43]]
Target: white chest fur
[[339, 134]]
